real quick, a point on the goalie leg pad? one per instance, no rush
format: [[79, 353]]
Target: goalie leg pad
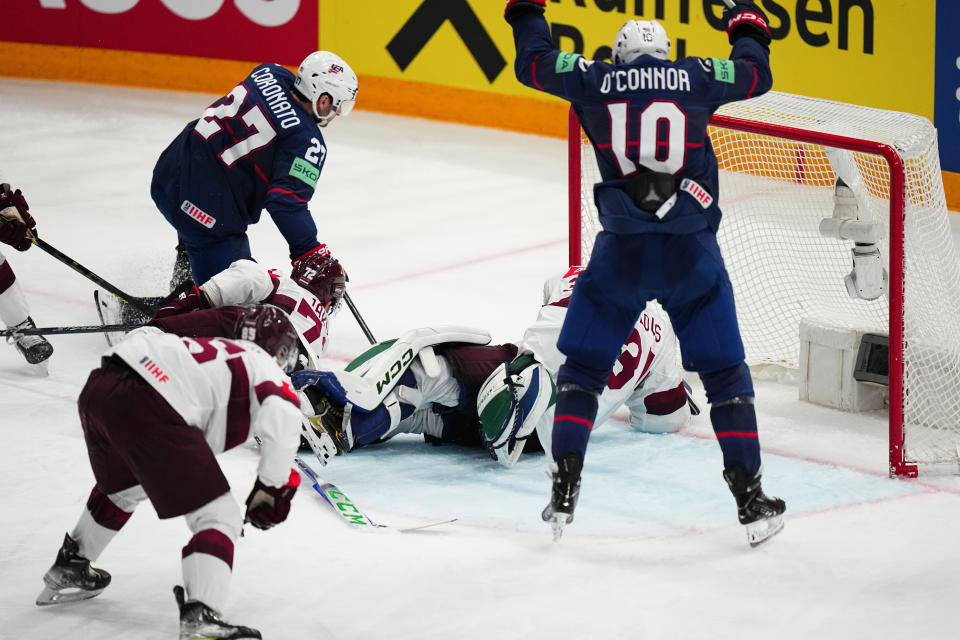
[[511, 402], [367, 380]]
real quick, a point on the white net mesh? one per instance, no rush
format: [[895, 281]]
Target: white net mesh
[[774, 192]]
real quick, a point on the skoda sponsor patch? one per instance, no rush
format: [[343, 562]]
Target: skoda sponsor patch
[[567, 62], [723, 70], [305, 171]]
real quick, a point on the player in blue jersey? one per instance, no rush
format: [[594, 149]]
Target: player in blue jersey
[[258, 147], [647, 119]]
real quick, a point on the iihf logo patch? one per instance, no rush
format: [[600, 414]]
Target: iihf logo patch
[[197, 214], [335, 68]]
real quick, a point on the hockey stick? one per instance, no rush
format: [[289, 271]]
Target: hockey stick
[[90, 275], [356, 314], [137, 303], [337, 499], [347, 510], [51, 331]]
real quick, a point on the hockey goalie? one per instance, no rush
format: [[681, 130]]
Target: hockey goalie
[[450, 385]]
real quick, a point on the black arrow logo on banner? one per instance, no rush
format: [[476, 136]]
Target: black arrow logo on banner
[[427, 20]]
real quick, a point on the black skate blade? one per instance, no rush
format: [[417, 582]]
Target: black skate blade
[[762, 530], [56, 596]]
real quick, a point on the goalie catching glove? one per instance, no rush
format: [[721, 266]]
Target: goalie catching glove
[[510, 403]]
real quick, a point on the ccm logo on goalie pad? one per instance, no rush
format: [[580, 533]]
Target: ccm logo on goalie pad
[[197, 214], [395, 369]]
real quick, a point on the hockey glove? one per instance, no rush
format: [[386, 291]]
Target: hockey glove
[[17, 225], [321, 249], [746, 20], [269, 506], [516, 8], [193, 299]]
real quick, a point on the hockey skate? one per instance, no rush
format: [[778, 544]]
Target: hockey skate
[[566, 490], [200, 622], [34, 348], [761, 514], [71, 578]]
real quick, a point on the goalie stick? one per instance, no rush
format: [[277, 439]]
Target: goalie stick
[[346, 509]]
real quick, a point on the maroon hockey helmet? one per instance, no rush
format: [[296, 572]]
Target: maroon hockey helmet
[[270, 329], [322, 276]]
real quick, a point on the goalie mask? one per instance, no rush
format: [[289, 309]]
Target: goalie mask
[[510, 403], [321, 73], [640, 37], [269, 328], [322, 276]]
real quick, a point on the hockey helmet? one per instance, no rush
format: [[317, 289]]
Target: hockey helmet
[[322, 276], [269, 328], [323, 72], [640, 37]]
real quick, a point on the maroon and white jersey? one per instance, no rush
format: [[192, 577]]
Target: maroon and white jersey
[[229, 389], [13, 304], [647, 376], [246, 282]]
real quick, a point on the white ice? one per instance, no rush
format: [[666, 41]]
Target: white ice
[[436, 224]]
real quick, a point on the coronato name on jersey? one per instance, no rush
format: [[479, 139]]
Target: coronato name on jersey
[[200, 377], [649, 356], [245, 282]]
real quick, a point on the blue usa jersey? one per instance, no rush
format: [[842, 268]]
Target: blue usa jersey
[[648, 115], [255, 148]]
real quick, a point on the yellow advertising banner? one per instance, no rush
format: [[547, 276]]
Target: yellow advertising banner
[[877, 53]]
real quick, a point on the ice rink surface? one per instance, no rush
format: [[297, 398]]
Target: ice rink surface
[[436, 224]]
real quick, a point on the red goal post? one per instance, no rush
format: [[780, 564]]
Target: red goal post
[[784, 148]]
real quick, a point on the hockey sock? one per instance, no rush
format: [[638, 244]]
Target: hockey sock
[[735, 424], [573, 420]]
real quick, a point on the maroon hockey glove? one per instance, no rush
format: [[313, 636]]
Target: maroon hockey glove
[[190, 300], [12, 231], [269, 506], [516, 8], [746, 20]]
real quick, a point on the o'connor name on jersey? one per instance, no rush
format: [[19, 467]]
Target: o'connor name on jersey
[[646, 79]]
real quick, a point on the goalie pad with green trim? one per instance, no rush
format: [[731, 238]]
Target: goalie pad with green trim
[[510, 403], [371, 376]]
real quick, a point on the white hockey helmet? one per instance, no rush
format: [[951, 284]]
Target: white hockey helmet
[[323, 72], [640, 37]]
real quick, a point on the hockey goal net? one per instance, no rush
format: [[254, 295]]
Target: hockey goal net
[[779, 157]]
